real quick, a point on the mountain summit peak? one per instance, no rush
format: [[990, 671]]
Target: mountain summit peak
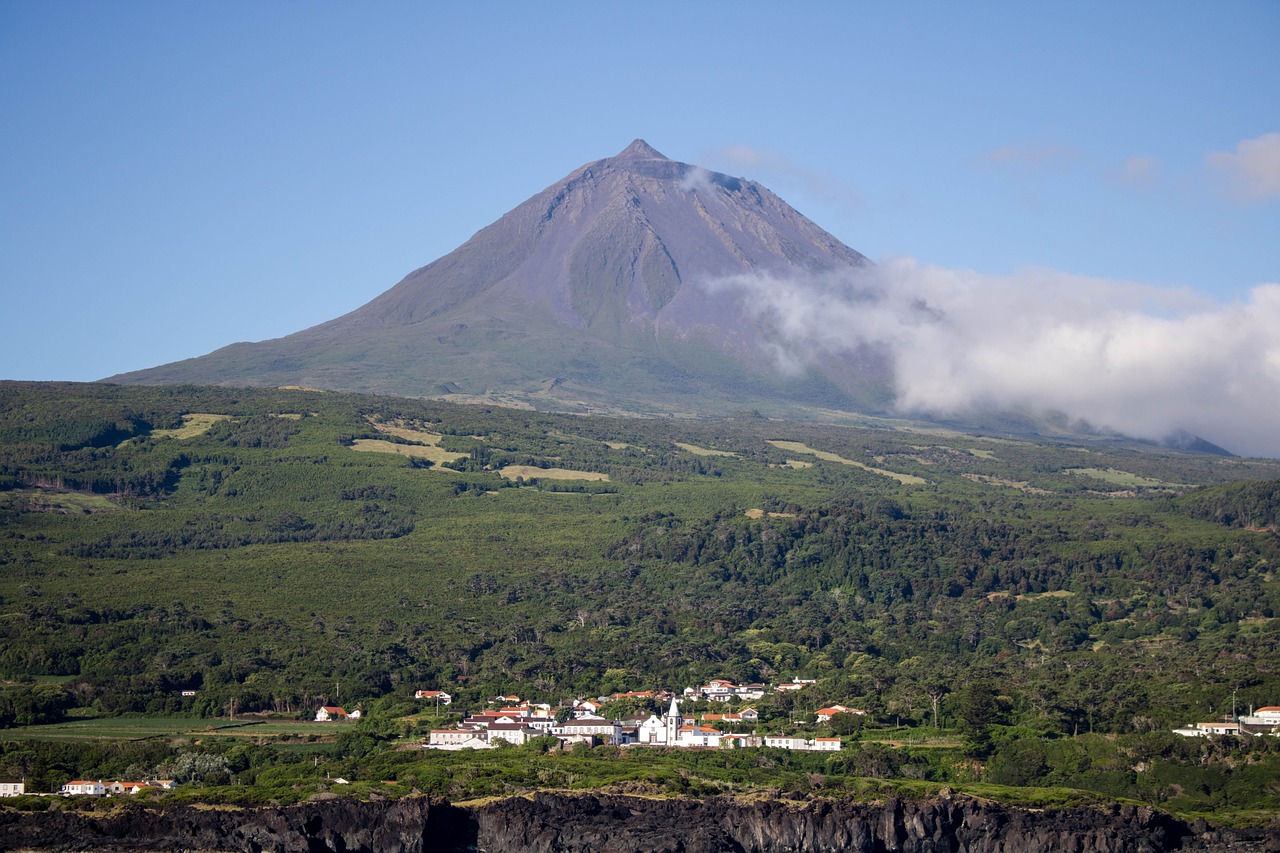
[[597, 293], [640, 150]]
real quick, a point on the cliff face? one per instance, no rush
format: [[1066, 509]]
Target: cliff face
[[550, 822]]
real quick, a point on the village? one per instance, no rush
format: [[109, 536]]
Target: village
[[516, 722]]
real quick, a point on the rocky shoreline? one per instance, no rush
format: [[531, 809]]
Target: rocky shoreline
[[618, 824]]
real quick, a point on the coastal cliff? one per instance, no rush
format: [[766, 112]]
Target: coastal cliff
[[589, 822]]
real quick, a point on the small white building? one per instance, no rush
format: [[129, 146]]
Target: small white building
[[824, 744], [784, 741], [434, 696], [84, 788], [1207, 729], [13, 787], [823, 714], [1265, 717], [126, 787], [694, 735], [452, 740], [444, 738], [329, 713], [746, 715]]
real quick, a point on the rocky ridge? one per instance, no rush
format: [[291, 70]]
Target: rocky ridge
[[591, 822]]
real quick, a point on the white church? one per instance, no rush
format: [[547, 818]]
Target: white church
[[671, 730]]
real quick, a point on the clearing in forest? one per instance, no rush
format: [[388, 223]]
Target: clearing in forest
[[532, 471], [797, 447], [703, 451], [40, 499], [418, 451], [192, 425], [426, 445], [1119, 478]]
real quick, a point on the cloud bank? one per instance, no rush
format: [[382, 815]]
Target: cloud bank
[[1141, 360]]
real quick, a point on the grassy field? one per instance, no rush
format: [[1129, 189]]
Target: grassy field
[[798, 447], [418, 451], [527, 471], [141, 728], [703, 451], [192, 425], [759, 513], [55, 500], [1120, 478]]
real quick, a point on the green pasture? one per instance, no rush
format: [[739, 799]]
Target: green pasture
[[132, 728]]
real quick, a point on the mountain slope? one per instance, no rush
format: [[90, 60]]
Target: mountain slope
[[594, 291]]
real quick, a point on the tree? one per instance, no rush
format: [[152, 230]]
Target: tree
[[977, 709]]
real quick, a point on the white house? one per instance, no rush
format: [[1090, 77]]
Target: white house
[[328, 713], [1206, 729], [824, 714], [434, 696], [718, 690], [695, 735], [824, 744], [514, 733], [127, 787], [784, 741], [84, 788], [12, 787], [456, 739], [1267, 716], [440, 738], [592, 726]]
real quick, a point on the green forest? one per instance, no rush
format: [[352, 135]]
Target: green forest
[[1027, 618]]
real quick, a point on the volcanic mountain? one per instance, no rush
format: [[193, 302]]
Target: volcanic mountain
[[598, 293]]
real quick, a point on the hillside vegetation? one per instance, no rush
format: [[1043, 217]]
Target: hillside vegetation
[[253, 546]]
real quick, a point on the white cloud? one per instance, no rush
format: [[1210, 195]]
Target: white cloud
[[1142, 360], [1253, 171], [696, 178]]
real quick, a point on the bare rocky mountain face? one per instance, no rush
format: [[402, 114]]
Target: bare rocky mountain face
[[595, 294]]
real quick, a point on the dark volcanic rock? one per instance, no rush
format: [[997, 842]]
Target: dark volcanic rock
[[405, 826], [553, 822]]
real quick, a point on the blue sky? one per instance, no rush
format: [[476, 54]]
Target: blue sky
[[179, 176]]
